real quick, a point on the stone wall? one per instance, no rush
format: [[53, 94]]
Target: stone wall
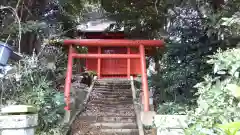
[[170, 124]]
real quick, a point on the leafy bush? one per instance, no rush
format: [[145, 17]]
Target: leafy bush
[[218, 95], [230, 128], [171, 108], [34, 86]]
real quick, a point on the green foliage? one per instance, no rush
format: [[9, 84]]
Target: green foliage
[[226, 63], [29, 26], [74, 9], [138, 17], [33, 26], [217, 102], [230, 128], [171, 108], [34, 86], [183, 63], [92, 73], [38, 91]]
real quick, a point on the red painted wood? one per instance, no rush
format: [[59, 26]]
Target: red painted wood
[[116, 66], [106, 56], [99, 63], [113, 42], [68, 79], [128, 64], [144, 78]]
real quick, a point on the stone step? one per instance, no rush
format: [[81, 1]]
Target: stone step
[[106, 125], [119, 102], [93, 112], [100, 95], [108, 132], [112, 84], [112, 106], [123, 119], [110, 109], [110, 112], [121, 93], [115, 125], [120, 131], [117, 98], [115, 81], [113, 89], [101, 84]]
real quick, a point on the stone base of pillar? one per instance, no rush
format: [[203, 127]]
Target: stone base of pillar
[[147, 118]]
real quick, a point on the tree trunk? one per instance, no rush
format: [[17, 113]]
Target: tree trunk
[[31, 10], [29, 43]]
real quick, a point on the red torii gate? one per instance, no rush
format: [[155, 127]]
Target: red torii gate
[[140, 44]]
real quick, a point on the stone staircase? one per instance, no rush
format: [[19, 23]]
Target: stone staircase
[[109, 111]]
